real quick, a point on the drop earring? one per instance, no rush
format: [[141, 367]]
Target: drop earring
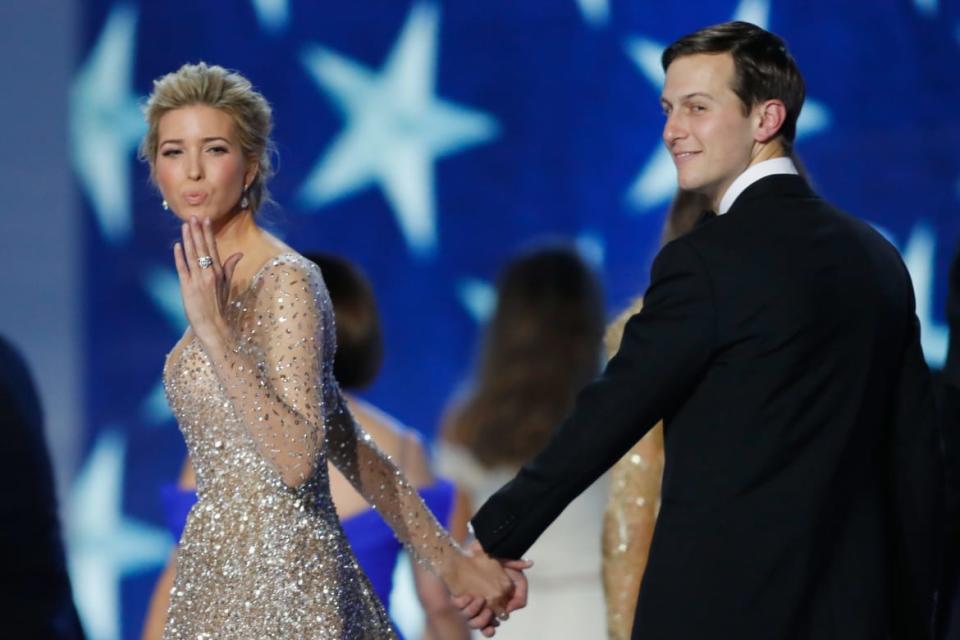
[[244, 201], [165, 206]]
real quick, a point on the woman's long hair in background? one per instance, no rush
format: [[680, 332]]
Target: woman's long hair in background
[[541, 347]]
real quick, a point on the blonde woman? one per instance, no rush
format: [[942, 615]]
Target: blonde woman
[[251, 385], [356, 365]]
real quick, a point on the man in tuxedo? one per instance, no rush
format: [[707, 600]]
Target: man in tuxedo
[[802, 491], [35, 598]]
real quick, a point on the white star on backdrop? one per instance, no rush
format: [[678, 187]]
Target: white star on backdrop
[[106, 123], [163, 287], [154, 409], [478, 297], [273, 15], [104, 545], [928, 8], [396, 128], [754, 11], [592, 248], [919, 254], [595, 12], [657, 181]]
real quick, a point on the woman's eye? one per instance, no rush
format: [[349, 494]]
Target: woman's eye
[[170, 152], [217, 150]]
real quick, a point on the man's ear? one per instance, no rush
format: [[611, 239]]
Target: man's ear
[[769, 118]]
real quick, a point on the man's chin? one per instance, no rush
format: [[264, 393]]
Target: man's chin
[[690, 184]]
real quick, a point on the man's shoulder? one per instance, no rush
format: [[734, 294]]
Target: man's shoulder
[[766, 231], [859, 233]]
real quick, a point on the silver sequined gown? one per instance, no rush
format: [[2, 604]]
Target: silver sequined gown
[[263, 555]]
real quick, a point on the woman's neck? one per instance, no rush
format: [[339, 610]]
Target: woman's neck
[[241, 234], [238, 233]]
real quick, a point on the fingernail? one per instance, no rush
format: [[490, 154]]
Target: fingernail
[[206, 221]]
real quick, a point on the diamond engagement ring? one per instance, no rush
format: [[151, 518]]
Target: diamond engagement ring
[[205, 262]]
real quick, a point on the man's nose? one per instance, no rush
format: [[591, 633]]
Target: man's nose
[[673, 129]]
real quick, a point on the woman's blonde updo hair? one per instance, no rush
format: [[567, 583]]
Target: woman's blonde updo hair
[[214, 86]]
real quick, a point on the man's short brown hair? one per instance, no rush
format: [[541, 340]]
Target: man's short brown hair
[[763, 68]]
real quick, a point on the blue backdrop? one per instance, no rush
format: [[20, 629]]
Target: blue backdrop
[[429, 141]]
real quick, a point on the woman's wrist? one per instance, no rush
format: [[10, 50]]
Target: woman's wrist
[[216, 340], [451, 568]]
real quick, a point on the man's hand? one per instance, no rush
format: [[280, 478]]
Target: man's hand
[[475, 609]]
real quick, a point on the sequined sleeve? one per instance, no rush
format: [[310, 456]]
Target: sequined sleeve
[[272, 368], [383, 486], [280, 379], [628, 522]]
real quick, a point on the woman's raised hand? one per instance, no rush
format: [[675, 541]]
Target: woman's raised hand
[[204, 279]]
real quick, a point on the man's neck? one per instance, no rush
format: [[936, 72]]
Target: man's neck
[[782, 165], [760, 153], [768, 151]]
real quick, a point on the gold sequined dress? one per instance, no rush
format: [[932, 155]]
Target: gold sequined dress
[[263, 555], [631, 511]]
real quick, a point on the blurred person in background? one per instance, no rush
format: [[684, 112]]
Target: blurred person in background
[[35, 597], [541, 345], [251, 384], [631, 511], [356, 364]]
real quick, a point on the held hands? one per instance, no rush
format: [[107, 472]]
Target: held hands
[[505, 584], [204, 289]]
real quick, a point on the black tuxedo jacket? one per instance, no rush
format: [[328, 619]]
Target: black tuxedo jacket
[[802, 492]]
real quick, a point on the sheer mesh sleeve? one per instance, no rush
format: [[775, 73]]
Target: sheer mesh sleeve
[[280, 378], [272, 370], [628, 522], [383, 486]]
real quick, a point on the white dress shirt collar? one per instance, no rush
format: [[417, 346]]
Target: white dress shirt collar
[[771, 167]]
